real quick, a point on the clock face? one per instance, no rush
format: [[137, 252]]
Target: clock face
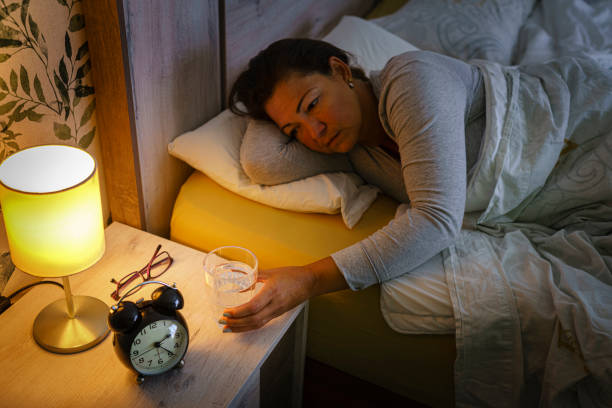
[[158, 347]]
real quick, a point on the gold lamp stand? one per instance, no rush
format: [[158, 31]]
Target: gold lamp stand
[[73, 326]]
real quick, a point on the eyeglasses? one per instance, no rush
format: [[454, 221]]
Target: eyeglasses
[[159, 263]]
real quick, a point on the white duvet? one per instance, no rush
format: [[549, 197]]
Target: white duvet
[[531, 281], [531, 285]]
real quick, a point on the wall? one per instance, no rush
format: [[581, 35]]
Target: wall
[[46, 92]]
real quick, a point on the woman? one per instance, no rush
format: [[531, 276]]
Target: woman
[[414, 129]]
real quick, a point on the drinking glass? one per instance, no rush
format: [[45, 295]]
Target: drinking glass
[[231, 274]]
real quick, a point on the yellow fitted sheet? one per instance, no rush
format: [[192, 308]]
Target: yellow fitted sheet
[[345, 329], [206, 216]]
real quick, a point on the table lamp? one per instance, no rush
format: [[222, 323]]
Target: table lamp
[[50, 198]]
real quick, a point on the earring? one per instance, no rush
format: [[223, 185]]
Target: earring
[[351, 84]]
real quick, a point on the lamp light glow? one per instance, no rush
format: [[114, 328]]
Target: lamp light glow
[[52, 210]]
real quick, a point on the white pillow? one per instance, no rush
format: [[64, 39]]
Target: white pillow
[[214, 148], [371, 45]]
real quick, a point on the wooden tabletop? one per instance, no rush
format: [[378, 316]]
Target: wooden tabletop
[[218, 366]]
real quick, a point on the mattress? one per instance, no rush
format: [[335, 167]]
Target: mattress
[[345, 329]]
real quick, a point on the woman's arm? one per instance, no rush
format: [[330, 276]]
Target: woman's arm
[[423, 107], [283, 289]]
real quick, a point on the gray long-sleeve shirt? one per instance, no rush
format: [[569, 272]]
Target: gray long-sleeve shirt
[[432, 106]]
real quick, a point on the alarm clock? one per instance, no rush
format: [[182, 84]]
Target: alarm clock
[[150, 337]]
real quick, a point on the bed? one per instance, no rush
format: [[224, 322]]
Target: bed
[[546, 239]]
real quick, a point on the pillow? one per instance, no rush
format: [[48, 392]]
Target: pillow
[[467, 29], [285, 158], [371, 46], [214, 148]]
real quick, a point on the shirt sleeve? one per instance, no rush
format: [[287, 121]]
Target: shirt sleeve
[[269, 157], [422, 106]]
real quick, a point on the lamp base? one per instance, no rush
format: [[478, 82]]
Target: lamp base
[[55, 331]]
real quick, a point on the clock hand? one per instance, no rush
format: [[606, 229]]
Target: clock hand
[[145, 352], [158, 344], [164, 339], [169, 352]]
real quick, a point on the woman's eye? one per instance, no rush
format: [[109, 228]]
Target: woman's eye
[[313, 104]]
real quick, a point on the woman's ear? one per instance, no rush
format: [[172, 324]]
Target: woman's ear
[[340, 69]]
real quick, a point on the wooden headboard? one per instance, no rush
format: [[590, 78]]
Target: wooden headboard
[[161, 68]]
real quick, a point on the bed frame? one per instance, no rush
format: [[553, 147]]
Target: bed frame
[[161, 68]]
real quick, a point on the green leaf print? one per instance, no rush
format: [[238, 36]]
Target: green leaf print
[[34, 28], [83, 50], [68, 46], [63, 71], [77, 22], [83, 70], [24, 93], [62, 131], [87, 138], [25, 80], [9, 33], [83, 90], [13, 79], [34, 116], [7, 107], [39, 90], [24, 10], [62, 88], [89, 110], [18, 115], [5, 11], [7, 42]]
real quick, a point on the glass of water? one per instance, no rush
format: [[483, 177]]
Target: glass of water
[[231, 275]]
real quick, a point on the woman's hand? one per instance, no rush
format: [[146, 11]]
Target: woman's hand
[[282, 290]]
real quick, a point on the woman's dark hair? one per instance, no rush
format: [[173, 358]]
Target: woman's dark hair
[[254, 86]]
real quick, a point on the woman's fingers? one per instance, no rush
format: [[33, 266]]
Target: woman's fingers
[[283, 289], [254, 306]]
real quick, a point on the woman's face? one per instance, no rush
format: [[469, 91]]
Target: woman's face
[[321, 111]]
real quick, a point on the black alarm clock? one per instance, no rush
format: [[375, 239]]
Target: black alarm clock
[[150, 337]]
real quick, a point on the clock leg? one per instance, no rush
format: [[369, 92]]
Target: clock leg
[[140, 379], [181, 364]]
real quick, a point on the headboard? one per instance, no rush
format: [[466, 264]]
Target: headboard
[[161, 68]]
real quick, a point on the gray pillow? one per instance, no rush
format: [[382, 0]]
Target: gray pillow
[[270, 157], [464, 29]]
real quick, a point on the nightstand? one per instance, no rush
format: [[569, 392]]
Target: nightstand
[[263, 367]]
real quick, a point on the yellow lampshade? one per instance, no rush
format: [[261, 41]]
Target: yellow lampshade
[[50, 198]]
